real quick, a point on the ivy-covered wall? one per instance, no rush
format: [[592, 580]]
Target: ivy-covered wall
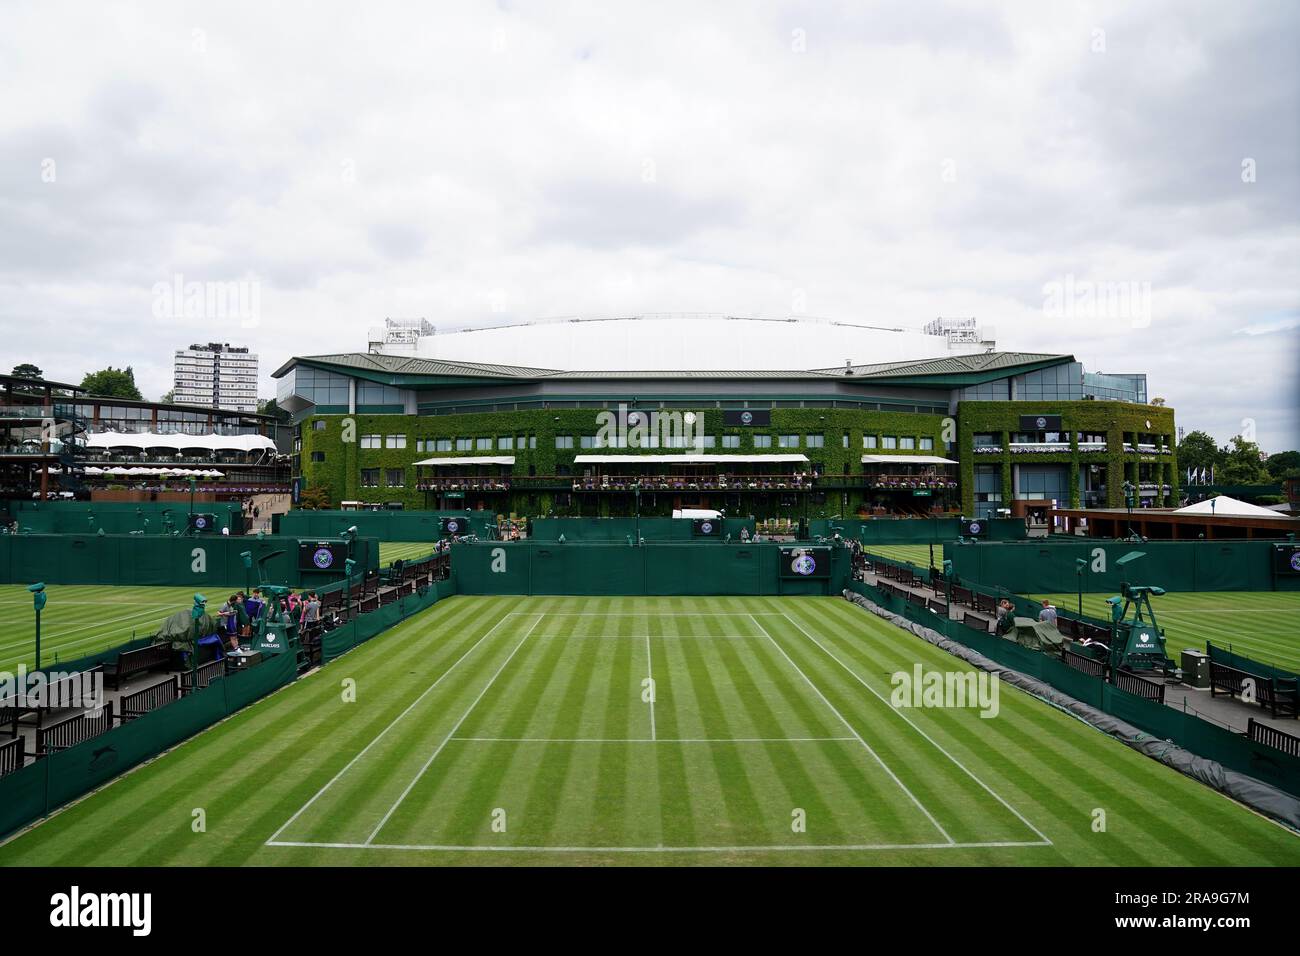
[[340, 471], [1113, 419]]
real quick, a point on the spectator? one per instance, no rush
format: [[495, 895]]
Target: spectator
[[1006, 619], [311, 609], [1048, 613]]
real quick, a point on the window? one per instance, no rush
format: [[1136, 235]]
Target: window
[[588, 441], [505, 443], [816, 441], [443, 444], [483, 444], [888, 441], [532, 442], [762, 441], [394, 477], [318, 425], [464, 444], [521, 442], [706, 441], [927, 444], [318, 456], [730, 441], [369, 441], [907, 443], [868, 441], [396, 441], [563, 441], [789, 441], [845, 443], [369, 477]]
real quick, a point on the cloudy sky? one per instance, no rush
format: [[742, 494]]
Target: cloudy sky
[[1118, 181]]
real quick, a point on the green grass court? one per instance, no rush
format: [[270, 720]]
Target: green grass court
[[390, 551], [520, 730], [918, 554], [1259, 624], [83, 619]]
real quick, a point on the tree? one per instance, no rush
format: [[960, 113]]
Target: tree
[[1158, 402], [1283, 464], [316, 499], [1242, 465], [112, 383], [168, 397], [1198, 451], [27, 370]]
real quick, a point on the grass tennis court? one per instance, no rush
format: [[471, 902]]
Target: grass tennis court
[[83, 619], [918, 554], [390, 551], [522, 730], [1259, 624]]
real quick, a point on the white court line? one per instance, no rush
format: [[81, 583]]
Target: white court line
[[996, 796], [381, 734], [777, 848], [647, 613], [654, 690], [434, 756], [649, 740], [902, 786]]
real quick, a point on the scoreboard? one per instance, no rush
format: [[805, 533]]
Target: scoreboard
[[322, 555], [454, 527], [203, 523], [1286, 558], [805, 563], [974, 528], [706, 527]]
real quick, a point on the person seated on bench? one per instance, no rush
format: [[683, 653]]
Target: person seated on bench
[[1048, 614]]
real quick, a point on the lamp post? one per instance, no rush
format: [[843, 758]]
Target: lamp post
[[1079, 565], [348, 565], [193, 482], [39, 598]]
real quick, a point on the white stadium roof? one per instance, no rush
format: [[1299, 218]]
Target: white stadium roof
[[665, 342], [177, 442]]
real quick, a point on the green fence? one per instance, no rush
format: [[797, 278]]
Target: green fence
[[1048, 566], [361, 629], [619, 530], [199, 561], [383, 525], [937, 530], [119, 517], [1184, 728], [661, 568], [35, 790]]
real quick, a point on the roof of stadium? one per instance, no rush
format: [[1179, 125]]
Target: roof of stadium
[[409, 370]]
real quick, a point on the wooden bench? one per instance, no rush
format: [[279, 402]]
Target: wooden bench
[[1083, 663], [1277, 695], [11, 756], [202, 676], [74, 730], [51, 697], [1144, 687], [961, 595], [937, 606], [149, 699], [1258, 733], [977, 621], [916, 598], [139, 661]]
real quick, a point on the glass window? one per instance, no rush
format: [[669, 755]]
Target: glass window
[[868, 441], [730, 441], [907, 443], [396, 441], [816, 441], [464, 444], [762, 441], [369, 441], [563, 441], [442, 444], [483, 444], [395, 477], [789, 441], [888, 441], [318, 456], [505, 443], [317, 425], [369, 477], [927, 444]]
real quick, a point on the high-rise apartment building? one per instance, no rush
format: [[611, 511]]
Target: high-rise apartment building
[[217, 375]]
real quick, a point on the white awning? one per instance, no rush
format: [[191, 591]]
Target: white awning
[[178, 442], [486, 460], [1221, 506], [906, 460], [690, 459]]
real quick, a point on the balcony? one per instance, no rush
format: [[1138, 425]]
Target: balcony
[[683, 483], [988, 449], [910, 482], [463, 484], [1040, 447]]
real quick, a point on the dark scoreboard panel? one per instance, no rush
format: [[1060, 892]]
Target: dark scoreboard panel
[[803, 563], [1286, 558], [322, 555], [1040, 423], [455, 526], [746, 417], [203, 523], [706, 527], [975, 528]]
